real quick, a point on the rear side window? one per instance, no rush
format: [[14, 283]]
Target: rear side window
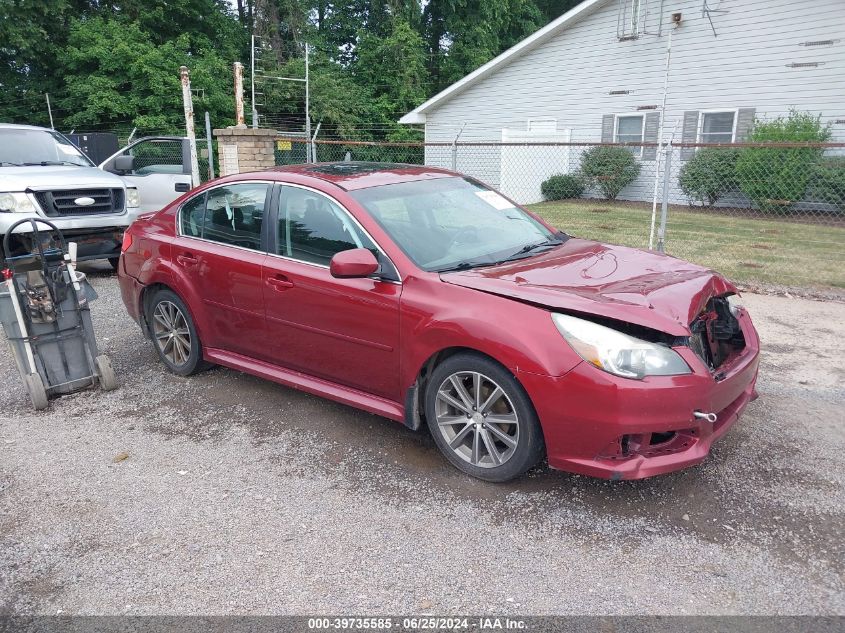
[[191, 217], [231, 215], [312, 227]]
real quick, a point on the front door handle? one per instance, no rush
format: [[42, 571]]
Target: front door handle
[[182, 187], [187, 260], [280, 282]]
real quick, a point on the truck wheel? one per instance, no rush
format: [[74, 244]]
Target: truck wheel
[[105, 372], [37, 393]]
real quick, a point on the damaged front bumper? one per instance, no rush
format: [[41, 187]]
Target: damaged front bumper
[[602, 425]]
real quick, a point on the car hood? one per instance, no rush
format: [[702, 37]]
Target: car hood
[[616, 282], [55, 177]]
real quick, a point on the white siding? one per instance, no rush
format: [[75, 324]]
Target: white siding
[[569, 78]]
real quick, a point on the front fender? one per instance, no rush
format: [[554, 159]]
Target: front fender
[[437, 316]]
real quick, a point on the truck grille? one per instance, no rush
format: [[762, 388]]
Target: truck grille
[[62, 203]]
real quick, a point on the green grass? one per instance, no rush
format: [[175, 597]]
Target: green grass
[[751, 250]]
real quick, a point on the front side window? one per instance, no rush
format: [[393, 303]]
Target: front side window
[[447, 223], [717, 127], [156, 156], [629, 129], [233, 215], [313, 228]]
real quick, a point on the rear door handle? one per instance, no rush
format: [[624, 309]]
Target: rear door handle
[[182, 186], [186, 260], [280, 282]]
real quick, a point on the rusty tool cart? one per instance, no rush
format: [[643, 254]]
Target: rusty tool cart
[[44, 308]]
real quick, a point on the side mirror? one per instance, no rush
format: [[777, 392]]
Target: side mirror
[[357, 262], [123, 164]]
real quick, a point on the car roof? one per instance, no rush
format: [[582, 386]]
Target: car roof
[[21, 126], [361, 175]]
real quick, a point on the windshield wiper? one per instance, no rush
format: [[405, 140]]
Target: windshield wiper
[[557, 240], [49, 163], [467, 265]]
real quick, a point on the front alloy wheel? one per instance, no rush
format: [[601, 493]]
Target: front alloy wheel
[[481, 418], [477, 419]]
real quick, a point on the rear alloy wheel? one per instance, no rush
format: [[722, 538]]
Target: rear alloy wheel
[[482, 419], [174, 335]]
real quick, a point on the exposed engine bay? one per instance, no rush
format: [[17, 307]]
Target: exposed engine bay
[[716, 333]]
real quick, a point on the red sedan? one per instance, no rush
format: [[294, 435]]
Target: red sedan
[[424, 296]]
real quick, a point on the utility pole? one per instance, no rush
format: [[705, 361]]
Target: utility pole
[[188, 101], [49, 110], [239, 95]]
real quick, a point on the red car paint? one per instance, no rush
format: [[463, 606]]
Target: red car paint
[[364, 342]]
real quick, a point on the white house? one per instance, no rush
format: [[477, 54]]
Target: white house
[[599, 73]]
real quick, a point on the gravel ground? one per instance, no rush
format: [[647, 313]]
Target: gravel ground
[[240, 496]]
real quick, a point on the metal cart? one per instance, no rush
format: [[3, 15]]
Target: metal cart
[[44, 308]]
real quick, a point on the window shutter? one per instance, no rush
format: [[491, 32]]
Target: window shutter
[[744, 123], [689, 133], [651, 130], [607, 128]]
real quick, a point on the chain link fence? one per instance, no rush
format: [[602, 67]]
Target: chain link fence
[[771, 214]]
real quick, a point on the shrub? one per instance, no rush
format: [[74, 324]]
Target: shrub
[[562, 186], [609, 169], [709, 175], [829, 183], [774, 178]]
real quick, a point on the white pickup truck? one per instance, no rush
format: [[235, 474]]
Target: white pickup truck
[[42, 174]]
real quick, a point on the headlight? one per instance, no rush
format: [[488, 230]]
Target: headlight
[[133, 198], [619, 353], [16, 203]]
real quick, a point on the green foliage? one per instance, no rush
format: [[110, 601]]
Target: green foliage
[[562, 187], [609, 169], [709, 175], [829, 183], [114, 64], [775, 178]]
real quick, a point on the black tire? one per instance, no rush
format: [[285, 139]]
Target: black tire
[[114, 262], [525, 447], [193, 362]]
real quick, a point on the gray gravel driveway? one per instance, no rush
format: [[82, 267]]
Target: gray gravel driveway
[[241, 496]]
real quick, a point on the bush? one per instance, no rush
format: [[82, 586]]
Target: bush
[[562, 186], [829, 183], [709, 175], [609, 169], [775, 178]]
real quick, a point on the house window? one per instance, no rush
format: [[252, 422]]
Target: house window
[[635, 17], [717, 127], [629, 129]]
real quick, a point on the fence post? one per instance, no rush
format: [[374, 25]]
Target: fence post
[[664, 207], [210, 150], [188, 102]]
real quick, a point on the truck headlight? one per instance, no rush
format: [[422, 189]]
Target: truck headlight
[[618, 353], [133, 198], [17, 202]]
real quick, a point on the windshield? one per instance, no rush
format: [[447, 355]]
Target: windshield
[[21, 146], [454, 223]]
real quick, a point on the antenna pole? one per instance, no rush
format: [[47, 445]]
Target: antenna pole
[[307, 103], [49, 110], [252, 80]]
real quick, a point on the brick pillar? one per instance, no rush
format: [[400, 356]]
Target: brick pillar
[[242, 149]]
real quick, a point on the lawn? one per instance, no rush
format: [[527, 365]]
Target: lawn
[[745, 249]]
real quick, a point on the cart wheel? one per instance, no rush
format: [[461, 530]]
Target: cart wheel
[[108, 381], [37, 393]]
